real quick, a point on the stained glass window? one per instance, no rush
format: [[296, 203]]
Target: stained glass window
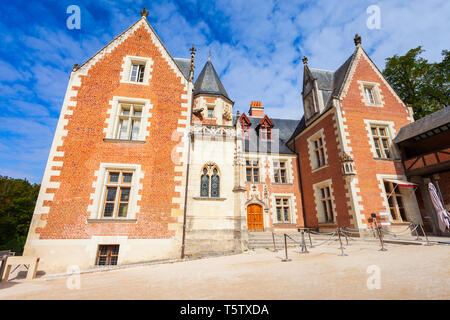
[[204, 184], [215, 184]]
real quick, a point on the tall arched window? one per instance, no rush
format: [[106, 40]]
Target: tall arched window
[[204, 184], [215, 184], [210, 181]]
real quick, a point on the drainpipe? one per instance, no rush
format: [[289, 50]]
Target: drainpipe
[[191, 79], [300, 185]]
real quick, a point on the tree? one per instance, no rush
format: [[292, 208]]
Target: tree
[[423, 85], [17, 201]]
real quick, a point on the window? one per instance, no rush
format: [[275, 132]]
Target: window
[[137, 73], [279, 171], [107, 255], [210, 112], [381, 141], [395, 200], [327, 204], [210, 182], [283, 210], [309, 106], [369, 95], [129, 121], [319, 152], [266, 133], [117, 194], [246, 131], [252, 170]]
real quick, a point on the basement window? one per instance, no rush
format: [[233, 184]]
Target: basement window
[[107, 255]]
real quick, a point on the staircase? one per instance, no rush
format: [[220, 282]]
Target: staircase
[[263, 240]]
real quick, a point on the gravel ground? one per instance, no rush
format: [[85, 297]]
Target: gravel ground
[[405, 272]]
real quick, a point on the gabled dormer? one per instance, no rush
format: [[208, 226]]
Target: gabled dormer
[[264, 128], [317, 88], [246, 125]]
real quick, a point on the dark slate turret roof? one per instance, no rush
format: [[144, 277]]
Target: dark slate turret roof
[[430, 122], [208, 82], [281, 132]]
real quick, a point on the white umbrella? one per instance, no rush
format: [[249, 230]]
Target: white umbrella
[[442, 214]]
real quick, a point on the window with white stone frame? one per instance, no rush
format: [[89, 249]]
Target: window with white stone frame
[[136, 70], [325, 204], [283, 209], [317, 150], [129, 121], [116, 192], [381, 141], [280, 171], [252, 170], [370, 92]]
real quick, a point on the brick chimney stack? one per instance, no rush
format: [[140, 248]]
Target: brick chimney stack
[[256, 109]]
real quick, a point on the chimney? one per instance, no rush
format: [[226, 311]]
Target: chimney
[[256, 109]]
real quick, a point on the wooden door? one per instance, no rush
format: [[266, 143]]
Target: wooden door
[[255, 217]]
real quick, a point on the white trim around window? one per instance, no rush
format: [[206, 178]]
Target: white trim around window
[[98, 197], [313, 159], [113, 122], [128, 62], [318, 198], [375, 99], [389, 125], [292, 207]]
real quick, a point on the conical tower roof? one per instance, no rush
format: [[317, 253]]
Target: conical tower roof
[[208, 82]]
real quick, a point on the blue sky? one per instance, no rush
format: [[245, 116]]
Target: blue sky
[[256, 48]]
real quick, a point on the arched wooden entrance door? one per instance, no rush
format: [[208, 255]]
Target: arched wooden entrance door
[[255, 217]]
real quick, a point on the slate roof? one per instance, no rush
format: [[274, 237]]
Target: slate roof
[[330, 83], [427, 123], [281, 132], [208, 82], [184, 65]]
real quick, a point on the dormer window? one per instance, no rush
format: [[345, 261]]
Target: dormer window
[[309, 106], [246, 124], [265, 129], [266, 133], [369, 94]]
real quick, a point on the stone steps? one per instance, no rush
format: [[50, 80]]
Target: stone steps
[[263, 240]]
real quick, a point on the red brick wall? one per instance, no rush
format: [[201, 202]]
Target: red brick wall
[[333, 172], [84, 148], [355, 111], [289, 188]]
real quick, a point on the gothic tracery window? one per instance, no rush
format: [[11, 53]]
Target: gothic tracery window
[[204, 184], [210, 182]]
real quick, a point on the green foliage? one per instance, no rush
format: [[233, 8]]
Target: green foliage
[[17, 201], [423, 85]]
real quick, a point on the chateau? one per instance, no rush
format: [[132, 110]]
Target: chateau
[[147, 164]]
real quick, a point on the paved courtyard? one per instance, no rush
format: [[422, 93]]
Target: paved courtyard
[[405, 272]]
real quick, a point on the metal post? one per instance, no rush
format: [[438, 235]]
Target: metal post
[[417, 235], [340, 241], [380, 236], [274, 246], [425, 235], [285, 249], [304, 248], [310, 241]]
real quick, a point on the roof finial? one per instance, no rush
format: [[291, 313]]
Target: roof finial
[[209, 56], [191, 72], [357, 39], [305, 60], [144, 13]]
